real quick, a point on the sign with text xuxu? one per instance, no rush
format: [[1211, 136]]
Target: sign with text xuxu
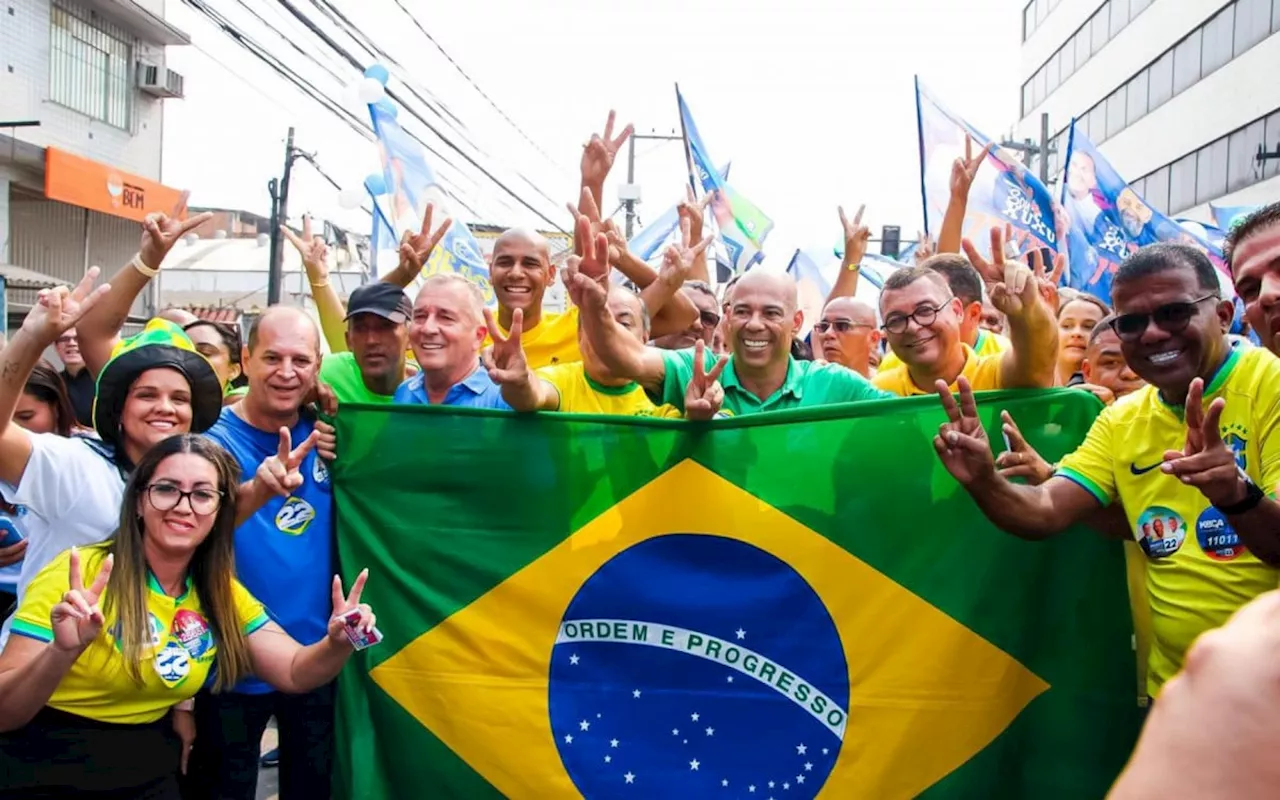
[[793, 605], [81, 182]]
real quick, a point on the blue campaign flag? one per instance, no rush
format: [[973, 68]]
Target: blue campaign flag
[[1003, 190], [815, 274], [742, 226], [410, 185], [1228, 217], [1108, 221], [647, 243]]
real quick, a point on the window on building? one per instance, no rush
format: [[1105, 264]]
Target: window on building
[[1042, 10], [1028, 20], [1042, 85], [1211, 171], [1119, 16], [1182, 183], [1271, 143], [1161, 81], [1253, 19], [1218, 33], [1186, 61], [1097, 129], [1242, 151], [1275, 17], [1084, 49], [1068, 55], [1053, 73], [1027, 99], [1136, 7], [1139, 187], [1136, 97], [90, 68], [1157, 192], [1099, 26], [1116, 112]]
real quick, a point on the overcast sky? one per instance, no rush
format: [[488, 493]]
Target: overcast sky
[[812, 100]]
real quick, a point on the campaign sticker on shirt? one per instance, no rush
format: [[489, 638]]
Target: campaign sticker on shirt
[[1217, 538], [192, 631], [1161, 531], [294, 516], [319, 472], [173, 663]]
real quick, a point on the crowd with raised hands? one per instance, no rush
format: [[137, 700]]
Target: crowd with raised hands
[[173, 576]]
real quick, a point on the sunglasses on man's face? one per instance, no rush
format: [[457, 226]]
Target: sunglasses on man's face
[[709, 319], [841, 325], [1170, 318]]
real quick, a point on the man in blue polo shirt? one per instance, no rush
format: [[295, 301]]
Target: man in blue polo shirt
[[446, 332], [285, 557]]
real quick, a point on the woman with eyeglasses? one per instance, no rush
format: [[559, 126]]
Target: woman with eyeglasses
[[108, 638]]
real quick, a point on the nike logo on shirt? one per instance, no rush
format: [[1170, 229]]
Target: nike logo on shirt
[[1136, 470]]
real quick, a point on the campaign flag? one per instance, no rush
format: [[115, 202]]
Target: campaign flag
[[1227, 217], [1003, 190], [410, 184], [814, 282], [802, 601], [1107, 221], [742, 226], [649, 242]]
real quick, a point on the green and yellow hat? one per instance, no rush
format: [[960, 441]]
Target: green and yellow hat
[[159, 345]]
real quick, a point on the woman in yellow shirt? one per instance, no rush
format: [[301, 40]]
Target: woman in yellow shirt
[[89, 675]]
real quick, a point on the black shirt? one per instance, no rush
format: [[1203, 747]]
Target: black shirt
[[81, 389]]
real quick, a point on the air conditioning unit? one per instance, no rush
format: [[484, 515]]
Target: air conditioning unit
[[159, 81]]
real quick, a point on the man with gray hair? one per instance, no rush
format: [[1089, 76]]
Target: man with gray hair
[[446, 332]]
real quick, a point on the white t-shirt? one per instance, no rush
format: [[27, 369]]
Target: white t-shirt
[[72, 495]]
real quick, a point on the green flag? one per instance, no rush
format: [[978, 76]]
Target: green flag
[[791, 605]]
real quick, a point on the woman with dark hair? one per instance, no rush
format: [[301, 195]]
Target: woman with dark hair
[[107, 639], [44, 407], [220, 344]]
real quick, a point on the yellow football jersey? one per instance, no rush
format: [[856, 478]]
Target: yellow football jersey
[[554, 340], [987, 344], [983, 373]]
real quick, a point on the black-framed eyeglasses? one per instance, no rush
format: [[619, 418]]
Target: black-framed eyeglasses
[[923, 316], [841, 325], [709, 319], [166, 496], [1170, 318]]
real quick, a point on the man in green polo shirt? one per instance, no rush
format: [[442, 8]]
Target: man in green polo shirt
[[763, 318], [373, 367]]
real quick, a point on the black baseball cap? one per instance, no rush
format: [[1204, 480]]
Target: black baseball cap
[[384, 299]]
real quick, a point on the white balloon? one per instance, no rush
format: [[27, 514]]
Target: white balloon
[[350, 198], [370, 91]]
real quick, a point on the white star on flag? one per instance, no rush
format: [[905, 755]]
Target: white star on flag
[[629, 778], [568, 738], [724, 782], [711, 731], [607, 759], [741, 633], [584, 725], [693, 765], [799, 779], [770, 784], [808, 767], [675, 731], [751, 788], [786, 786], [824, 751], [573, 659], [635, 692], [613, 742], [730, 679], [694, 716], [800, 749]]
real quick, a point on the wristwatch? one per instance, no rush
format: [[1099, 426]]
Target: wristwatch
[[1253, 495]]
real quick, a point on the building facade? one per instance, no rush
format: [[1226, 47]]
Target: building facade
[[82, 92], [1180, 95]]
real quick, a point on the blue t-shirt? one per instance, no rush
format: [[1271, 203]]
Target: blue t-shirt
[[477, 390], [285, 552]]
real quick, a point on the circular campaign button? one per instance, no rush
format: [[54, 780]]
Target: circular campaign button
[[1161, 531], [1217, 538]]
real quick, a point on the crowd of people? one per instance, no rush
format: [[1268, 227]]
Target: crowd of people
[[168, 511]]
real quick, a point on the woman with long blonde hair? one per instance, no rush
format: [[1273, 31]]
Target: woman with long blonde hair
[[107, 639]]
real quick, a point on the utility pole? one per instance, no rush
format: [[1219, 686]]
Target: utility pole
[[630, 194], [279, 216], [1028, 148]]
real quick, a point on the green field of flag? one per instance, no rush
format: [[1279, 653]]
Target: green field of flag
[[791, 605]]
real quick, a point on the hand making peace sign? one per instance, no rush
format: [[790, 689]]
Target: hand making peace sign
[[600, 150], [505, 360], [160, 232], [856, 236], [1205, 461], [281, 472], [57, 310], [964, 170], [416, 248], [1011, 284], [77, 620], [704, 395], [590, 242], [341, 605], [961, 441], [678, 259]]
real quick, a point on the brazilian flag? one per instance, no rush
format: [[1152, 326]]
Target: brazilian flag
[[792, 605]]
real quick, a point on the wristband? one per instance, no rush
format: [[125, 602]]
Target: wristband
[[854, 267], [137, 264], [1253, 495]]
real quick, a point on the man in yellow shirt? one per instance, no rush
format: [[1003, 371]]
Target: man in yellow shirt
[[922, 321], [966, 285], [1190, 450]]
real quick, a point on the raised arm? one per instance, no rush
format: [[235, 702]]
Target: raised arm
[[289, 666], [99, 329], [1033, 332], [963, 171], [521, 387], [856, 237], [598, 155], [1029, 512], [56, 310], [670, 310], [619, 351], [315, 261], [416, 249]]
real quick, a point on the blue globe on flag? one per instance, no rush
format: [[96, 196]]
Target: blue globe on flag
[[694, 665]]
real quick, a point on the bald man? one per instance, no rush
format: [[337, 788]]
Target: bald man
[[848, 335], [520, 271], [763, 318], [285, 557]]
